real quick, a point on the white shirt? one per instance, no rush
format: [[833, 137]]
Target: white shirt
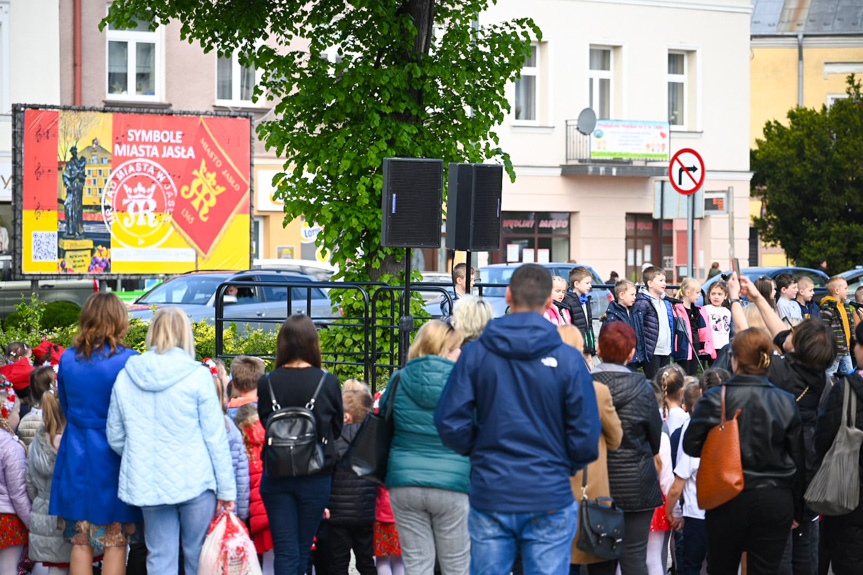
[[687, 468], [663, 340], [676, 417], [720, 325]]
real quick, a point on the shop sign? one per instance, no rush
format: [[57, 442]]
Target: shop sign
[[543, 223]]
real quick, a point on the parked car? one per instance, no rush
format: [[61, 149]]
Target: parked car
[[195, 293], [854, 278], [321, 271], [817, 276], [502, 273], [11, 291]]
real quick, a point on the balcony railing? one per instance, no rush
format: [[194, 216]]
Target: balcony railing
[[578, 151]]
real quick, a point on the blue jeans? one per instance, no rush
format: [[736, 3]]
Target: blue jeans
[[295, 507], [842, 365], [165, 523], [545, 540]]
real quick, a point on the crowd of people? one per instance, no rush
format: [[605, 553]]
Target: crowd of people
[[503, 431]]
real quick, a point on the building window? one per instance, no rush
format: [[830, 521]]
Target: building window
[[235, 82], [5, 102], [533, 237], [133, 63], [677, 89], [526, 88], [600, 82], [831, 99], [257, 237]]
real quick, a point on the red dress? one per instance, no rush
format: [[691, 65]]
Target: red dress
[[660, 519], [12, 531]]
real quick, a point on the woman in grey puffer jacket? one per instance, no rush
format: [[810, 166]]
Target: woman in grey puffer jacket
[[46, 538]]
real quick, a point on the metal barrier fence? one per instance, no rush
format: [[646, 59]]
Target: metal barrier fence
[[381, 309]]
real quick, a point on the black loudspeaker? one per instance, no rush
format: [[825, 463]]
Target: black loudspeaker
[[473, 207], [412, 201]]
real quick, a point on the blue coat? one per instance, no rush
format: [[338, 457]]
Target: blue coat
[[240, 459], [645, 316], [166, 421], [617, 312], [87, 471], [418, 457], [521, 403]]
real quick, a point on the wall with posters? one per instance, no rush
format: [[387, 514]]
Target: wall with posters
[[132, 193]]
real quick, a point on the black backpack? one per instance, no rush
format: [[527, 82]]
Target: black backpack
[[292, 446]]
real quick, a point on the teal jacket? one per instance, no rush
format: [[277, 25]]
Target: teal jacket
[[418, 457]]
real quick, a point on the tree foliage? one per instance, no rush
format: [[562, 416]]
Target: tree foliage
[[810, 177], [405, 78]]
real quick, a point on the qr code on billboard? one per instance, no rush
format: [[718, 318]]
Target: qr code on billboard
[[44, 246]]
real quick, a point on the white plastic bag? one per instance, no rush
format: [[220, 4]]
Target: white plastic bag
[[228, 550]]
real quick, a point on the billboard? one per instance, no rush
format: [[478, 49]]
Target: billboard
[[631, 140], [110, 194]]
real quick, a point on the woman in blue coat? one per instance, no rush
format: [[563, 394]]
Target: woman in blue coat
[[87, 471]]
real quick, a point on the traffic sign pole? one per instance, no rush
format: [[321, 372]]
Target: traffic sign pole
[[686, 172]]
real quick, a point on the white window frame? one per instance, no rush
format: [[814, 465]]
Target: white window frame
[[596, 75], [132, 37], [678, 79], [259, 237], [831, 98], [535, 72], [236, 71]]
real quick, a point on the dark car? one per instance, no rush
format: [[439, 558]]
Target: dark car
[[818, 277]]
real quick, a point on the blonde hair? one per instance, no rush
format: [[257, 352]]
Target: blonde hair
[[170, 328], [435, 338], [753, 316], [357, 404], [470, 315], [558, 279], [688, 284], [804, 282], [833, 284], [356, 385], [571, 336]]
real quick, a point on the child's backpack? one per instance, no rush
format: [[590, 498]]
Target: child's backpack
[[291, 440]]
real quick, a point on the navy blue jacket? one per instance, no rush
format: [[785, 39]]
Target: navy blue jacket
[[583, 321], [810, 309], [617, 312], [645, 316], [521, 403]]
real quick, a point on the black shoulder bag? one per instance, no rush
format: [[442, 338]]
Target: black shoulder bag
[[370, 450], [293, 449], [600, 526]]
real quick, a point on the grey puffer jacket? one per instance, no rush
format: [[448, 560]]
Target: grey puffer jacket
[[13, 469], [29, 425], [631, 471], [46, 536]]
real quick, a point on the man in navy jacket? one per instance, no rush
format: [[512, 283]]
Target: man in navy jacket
[[521, 404]]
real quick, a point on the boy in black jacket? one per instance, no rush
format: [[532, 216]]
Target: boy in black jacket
[[577, 300], [352, 500]]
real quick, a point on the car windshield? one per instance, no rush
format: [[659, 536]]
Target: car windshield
[[191, 290], [503, 275]]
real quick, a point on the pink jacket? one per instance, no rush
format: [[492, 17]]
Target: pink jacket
[[557, 316], [704, 334]]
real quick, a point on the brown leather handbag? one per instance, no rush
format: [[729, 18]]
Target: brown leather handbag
[[720, 473]]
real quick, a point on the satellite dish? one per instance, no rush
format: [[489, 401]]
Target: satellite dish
[[586, 121]]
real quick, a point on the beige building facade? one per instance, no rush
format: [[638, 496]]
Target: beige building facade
[[685, 63]]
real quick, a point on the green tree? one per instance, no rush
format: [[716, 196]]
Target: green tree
[[810, 177], [405, 78]]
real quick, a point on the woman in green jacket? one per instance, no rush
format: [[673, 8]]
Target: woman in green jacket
[[428, 482]]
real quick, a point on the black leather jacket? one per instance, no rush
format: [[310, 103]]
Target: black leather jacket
[[771, 433]]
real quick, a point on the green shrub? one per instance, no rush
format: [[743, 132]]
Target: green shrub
[[60, 314]]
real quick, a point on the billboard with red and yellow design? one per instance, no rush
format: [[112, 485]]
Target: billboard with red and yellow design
[[107, 193]]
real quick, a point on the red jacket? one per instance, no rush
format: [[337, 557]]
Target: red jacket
[[18, 373], [261, 535]]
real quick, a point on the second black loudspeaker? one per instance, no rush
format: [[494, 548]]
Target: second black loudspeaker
[[473, 207]]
